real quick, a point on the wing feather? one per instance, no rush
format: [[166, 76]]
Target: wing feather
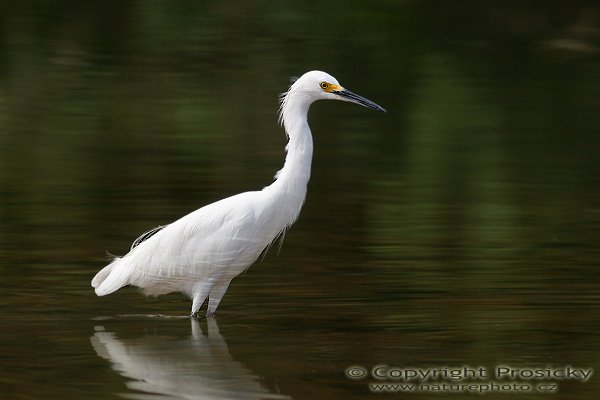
[[146, 235]]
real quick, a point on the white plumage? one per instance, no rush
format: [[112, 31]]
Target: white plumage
[[201, 253]]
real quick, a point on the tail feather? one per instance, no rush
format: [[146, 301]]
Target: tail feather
[[110, 278], [101, 276]]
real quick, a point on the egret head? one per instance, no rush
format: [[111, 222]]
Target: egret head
[[319, 85]]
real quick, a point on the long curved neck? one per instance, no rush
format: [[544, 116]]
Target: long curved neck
[[292, 179], [296, 170]]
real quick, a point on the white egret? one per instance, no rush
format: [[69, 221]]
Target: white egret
[[201, 253]]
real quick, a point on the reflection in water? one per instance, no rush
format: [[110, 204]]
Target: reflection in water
[[199, 367]]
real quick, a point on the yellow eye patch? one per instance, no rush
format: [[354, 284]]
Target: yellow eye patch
[[329, 87]]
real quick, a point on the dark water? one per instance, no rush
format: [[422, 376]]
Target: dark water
[[460, 229]]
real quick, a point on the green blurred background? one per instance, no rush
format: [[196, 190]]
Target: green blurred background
[[463, 227]]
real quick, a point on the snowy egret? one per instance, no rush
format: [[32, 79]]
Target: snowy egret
[[201, 253]]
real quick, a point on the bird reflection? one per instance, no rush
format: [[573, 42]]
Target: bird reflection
[[199, 367]]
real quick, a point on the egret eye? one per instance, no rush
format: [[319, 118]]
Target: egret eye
[[324, 85]]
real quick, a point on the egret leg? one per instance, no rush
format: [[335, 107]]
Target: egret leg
[[216, 294], [199, 299]]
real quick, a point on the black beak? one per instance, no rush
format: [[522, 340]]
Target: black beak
[[354, 98]]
